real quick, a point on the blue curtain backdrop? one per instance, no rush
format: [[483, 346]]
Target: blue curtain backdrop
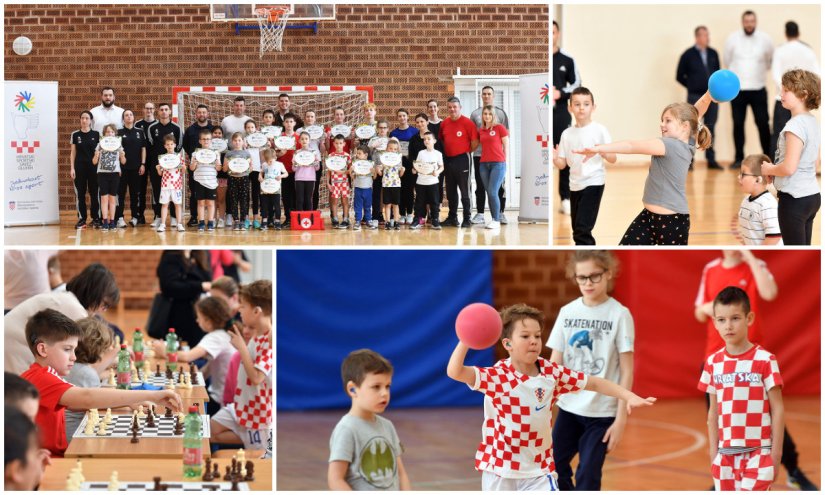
[[402, 304]]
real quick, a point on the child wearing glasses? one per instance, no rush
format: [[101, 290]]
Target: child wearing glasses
[[758, 219], [594, 335]]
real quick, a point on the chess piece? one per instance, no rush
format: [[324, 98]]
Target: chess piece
[[157, 370], [169, 374], [188, 382], [227, 476], [216, 472], [150, 419], [107, 419], [178, 427], [235, 486], [135, 436], [141, 413], [112, 380], [79, 468], [90, 426], [101, 429], [135, 377], [114, 484], [72, 483], [170, 385], [207, 472], [250, 471], [168, 413], [157, 486], [193, 375]]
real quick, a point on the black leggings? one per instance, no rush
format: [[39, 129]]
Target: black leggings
[[271, 207], [796, 218], [239, 207], [131, 180], [303, 194], [651, 229], [256, 191]]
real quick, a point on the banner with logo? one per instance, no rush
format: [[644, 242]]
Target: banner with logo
[[31, 162], [534, 204]]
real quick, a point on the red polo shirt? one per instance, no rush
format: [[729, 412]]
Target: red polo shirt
[[457, 135]]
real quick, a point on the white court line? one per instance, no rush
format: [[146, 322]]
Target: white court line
[[698, 442]]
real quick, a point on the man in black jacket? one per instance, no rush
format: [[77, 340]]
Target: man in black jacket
[[695, 67]]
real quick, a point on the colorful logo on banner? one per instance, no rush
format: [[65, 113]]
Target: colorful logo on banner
[[24, 101], [543, 114], [544, 94]]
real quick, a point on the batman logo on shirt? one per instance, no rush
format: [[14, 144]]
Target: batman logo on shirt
[[378, 463]]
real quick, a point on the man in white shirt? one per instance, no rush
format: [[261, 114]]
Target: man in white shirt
[[792, 55], [748, 54], [235, 122], [107, 112]]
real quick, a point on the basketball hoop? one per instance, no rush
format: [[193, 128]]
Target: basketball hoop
[[272, 22]]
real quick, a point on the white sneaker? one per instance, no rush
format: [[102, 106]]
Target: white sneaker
[[565, 206], [502, 219], [161, 227], [409, 219], [479, 218], [181, 228], [220, 223], [229, 220], [173, 223], [133, 222], [493, 225], [121, 223], [156, 223]]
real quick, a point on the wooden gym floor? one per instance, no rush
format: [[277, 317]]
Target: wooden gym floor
[[713, 198], [512, 234], [664, 447]]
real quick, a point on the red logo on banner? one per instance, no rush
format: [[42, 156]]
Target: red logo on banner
[[29, 146], [544, 140], [11, 205], [536, 200]]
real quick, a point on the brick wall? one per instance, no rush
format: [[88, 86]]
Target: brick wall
[[397, 49], [536, 278], [133, 270]]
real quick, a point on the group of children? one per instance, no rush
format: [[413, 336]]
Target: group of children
[[588, 376], [665, 219], [45, 404]]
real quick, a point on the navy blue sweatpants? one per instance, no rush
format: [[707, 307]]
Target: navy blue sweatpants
[[574, 434]]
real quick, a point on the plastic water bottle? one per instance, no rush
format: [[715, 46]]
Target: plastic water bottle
[[124, 372], [192, 440], [172, 350], [137, 348]]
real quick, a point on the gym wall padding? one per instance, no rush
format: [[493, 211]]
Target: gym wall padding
[[402, 304], [659, 288]]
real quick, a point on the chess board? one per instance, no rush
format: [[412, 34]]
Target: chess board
[[121, 424], [186, 486], [160, 381]]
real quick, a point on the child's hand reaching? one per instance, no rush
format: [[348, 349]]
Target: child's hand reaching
[[587, 152], [170, 399], [637, 401]]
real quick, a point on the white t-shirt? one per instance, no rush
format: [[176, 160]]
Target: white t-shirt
[[206, 175], [589, 173], [219, 347], [25, 275], [749, 57], [427, 156], [17, 355], [103, 116], [273, 170], [792, 55], [591, 339], [758, 218], [231, 124]]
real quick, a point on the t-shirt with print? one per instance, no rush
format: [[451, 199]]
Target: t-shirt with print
[[391, 176], [591, 339], [371, 448], [584, 173], [253, 404], [50, 417], [219, 347], [741, 384], [172, 179], [516, 440], [109, 161], [426, 156]]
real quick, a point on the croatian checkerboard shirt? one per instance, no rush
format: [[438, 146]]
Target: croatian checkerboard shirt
[[516, 436], [741, 385], [253, 405]]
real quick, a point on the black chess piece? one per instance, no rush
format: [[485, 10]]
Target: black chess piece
[[250, 471], [169, 374], [234, 466], [207, 473], [156, 479], [235, 486], [168, 413], [216, 472], [157, 370], [135, 436], [178, 427], [227, 476]]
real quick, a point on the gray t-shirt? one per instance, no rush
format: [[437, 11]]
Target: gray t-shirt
[[476, 118], [362, 181], [802, 182], [82, 375], [238, 154], [665, 184], [371, 448]]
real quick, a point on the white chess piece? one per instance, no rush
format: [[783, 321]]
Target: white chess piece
[[114, 484], [188, 382], [107, 419], [101, 429], [170, 385], [112, 380], [79, 468], [90, 426], [140, 412]]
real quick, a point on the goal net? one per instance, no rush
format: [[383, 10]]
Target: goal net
[[322, 99]]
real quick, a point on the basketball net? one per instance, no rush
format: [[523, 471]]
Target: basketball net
[[272, 22]]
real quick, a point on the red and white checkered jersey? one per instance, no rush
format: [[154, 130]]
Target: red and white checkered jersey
[[516, 436], [741, 385], [253, 404], [172, 179]]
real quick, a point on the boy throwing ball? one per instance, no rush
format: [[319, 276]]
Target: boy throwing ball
[[516, 450], [746, 415]]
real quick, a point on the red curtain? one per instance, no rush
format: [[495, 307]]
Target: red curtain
[[659, 287]]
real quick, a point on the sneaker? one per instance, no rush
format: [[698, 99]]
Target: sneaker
[[466, 223], [264, 227], [715, 166], [141, 221], [81, 224], [388, 225], [133, 222], [105, 226], [436, 226], [246, 224], [277, 226], [797, 479], [565, 207], [156, 223], [502, 219], [96, 223], [161, 227], [410, 219], [173, 223], [256, 225], [334, 222], [450, 222], [229, 220], [345, 224], [210, 226], [121, 223], [192, 222], [417, 226], [373, 225], [356, 226], [201, 226], [478, 219], [493, 225], [221, 223], [237, 227], [286, 225], [181, 227], [396, 225]]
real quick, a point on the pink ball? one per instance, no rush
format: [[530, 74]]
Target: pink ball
[[478, 326]]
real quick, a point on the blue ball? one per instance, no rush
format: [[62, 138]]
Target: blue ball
[[723, 85]]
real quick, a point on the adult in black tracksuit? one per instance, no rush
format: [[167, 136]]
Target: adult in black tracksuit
[[143, 124], [564, 81], [190, 143], [134, 145], [183, 281], [696, 65], [83, 172], [157, 131]]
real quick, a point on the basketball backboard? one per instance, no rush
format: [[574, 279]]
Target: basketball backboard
[[244, 12]]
